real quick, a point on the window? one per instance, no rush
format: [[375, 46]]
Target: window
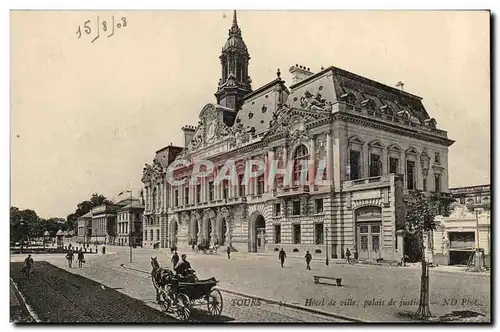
[[277, 209], [242, 185], [296, 234], [354, 163], [350, 101], [260, 185], [462, 200], [318, 233], [186, 195], [437, 182], [157, 235], [410, 174], [198, 193], [211, 191], [319, 205], [437, 158], [425, 184], [151, 235], [393, 165], [478, 199], [176, 197], [154, 199], [300, 158], [277, 233], [375, 165], [225, 189], [296, 208]]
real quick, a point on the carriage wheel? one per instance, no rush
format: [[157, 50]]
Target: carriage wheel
[[183, 307], [165, 300], [214, 302]]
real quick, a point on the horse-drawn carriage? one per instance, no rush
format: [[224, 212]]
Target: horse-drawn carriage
[[181, 294]]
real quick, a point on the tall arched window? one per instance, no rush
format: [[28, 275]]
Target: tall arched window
[[300, 158], [154, 199]]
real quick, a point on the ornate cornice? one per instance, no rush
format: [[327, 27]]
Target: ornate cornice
[[372, 123]]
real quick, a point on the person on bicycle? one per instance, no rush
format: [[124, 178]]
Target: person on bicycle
[[348, 255]]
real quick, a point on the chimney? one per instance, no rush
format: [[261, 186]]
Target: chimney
[[299, 73], [188, 134]]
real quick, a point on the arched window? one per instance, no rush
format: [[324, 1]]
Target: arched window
[[154, 199], [351, 101], [300, 158]]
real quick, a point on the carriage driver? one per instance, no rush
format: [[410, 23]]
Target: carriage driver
[[183, 266]]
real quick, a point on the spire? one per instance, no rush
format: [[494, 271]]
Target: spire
[[235, 29]]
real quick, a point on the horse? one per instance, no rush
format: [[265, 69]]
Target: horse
[[159, 276]]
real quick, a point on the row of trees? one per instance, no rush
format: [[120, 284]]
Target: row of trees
[[26, 224]]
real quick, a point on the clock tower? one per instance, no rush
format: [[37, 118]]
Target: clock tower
[[235, 82]]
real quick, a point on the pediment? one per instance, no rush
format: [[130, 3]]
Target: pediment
[[376, 144], [356, 140], [394, 147], [295, 119]]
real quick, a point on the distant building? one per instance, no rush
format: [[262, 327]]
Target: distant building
[[112, 223], [455, 239], [84, 228]]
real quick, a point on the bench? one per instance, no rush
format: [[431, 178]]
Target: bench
[[337, 280]]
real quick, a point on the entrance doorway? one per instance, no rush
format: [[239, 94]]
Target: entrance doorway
[[223, 232], [260, 229], [209, 231], [173, 238], [195, 232], [368, 240]]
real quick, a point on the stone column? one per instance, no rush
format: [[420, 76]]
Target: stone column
[[270, 163], [266, 172], [329, 157], [366, 161], [312, 161], [384, 159]]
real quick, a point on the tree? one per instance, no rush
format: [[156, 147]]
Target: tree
[[83, 208], [420, 220], [24, 224]]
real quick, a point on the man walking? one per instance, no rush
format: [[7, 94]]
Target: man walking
[[175, 259], [81, 258], [348, 255], [228, 250], [69, 257], [282, 256], [308, 260], [28, 265]]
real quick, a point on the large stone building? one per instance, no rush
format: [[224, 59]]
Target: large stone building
[[376, 141], [154, 197], [468, 227], [115, 224]]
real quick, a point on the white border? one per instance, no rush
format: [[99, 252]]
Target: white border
[[212, 5]]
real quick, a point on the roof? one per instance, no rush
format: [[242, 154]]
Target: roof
[[259, 107], [134, 205]]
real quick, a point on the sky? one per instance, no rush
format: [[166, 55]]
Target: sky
[[86, 117]]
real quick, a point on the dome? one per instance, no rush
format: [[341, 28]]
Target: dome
[[234, 42]]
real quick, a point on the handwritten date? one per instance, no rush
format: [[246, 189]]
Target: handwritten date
[[103, 26]]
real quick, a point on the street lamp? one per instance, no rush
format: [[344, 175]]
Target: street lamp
[[326, 244]]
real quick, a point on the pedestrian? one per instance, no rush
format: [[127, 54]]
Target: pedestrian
[[348, 255], [308, 260], [69, 257], [81, 258], [175, 259], [103, 249], [282, 256], [228, 250], [28, 265]]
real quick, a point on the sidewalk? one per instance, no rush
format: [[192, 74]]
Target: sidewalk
[[366, 292]]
